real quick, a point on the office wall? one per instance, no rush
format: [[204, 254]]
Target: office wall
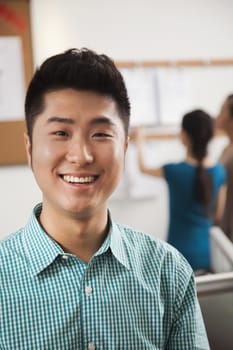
[[125, 30]]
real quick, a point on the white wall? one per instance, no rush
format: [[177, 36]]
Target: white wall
[[125, 30], [134, 29]]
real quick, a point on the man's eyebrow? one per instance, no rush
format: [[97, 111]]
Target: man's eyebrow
[[102, 120], [96, 121], [63, 120]]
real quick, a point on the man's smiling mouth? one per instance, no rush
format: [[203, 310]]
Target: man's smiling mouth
[[79, 180]]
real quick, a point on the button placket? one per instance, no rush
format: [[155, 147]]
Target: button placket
[[88, 290], [65, 257], [87, 282], [91, 346]]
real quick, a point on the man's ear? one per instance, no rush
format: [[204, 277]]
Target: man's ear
[[28, 148], [126, 143]]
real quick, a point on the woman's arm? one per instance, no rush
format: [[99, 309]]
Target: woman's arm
[[220, 205]]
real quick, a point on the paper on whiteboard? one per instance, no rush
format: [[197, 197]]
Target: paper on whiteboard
[[140, 185], [141, 84], [12, 83], [175, 95]]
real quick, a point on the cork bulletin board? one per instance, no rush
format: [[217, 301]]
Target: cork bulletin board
[[15, 33]]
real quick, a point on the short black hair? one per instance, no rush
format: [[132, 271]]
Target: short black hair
[[79, 69]]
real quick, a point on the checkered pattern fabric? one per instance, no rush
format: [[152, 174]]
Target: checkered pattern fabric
[[135, 293]]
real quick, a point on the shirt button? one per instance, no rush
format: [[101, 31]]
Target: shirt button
[[65, 257], [91, 346], [89, 291]]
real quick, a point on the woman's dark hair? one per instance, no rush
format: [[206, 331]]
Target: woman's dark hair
[[230, 105], [80, 70], [199, 127]]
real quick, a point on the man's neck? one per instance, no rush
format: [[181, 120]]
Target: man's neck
[[81, 237]]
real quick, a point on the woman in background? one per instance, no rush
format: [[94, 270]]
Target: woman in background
[[225, 122], [196, 190]]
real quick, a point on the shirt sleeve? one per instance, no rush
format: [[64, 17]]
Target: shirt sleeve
[[168, 172], [188, 330]]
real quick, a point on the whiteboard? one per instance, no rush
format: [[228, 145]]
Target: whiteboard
[[141, 84], [161, 96], [175, 97]]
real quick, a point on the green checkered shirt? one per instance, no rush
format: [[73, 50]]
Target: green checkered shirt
[[135, 293]]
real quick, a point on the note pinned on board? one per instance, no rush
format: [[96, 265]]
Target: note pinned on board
[[142, 88], [175, 95], [12, 79], [158, 96]]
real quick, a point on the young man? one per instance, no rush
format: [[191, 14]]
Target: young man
[[73, 278]]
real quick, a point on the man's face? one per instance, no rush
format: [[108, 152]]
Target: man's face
[[78, 150]]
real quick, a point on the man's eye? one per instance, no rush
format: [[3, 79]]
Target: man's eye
[[101, 134], [60, 133]]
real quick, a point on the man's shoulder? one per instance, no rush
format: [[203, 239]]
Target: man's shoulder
[[137, 238], [153, 249], [155, 262], [10, 243]]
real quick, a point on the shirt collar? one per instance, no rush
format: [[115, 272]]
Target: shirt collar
[[118, 245], [115, 242], [42, 251]]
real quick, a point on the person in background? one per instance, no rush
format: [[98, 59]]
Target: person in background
[[196, 190], [224, 122], [72, 278]]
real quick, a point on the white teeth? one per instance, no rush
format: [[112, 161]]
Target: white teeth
[[74, 179]]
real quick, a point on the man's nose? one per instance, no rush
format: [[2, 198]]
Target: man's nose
[[80, 152]]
